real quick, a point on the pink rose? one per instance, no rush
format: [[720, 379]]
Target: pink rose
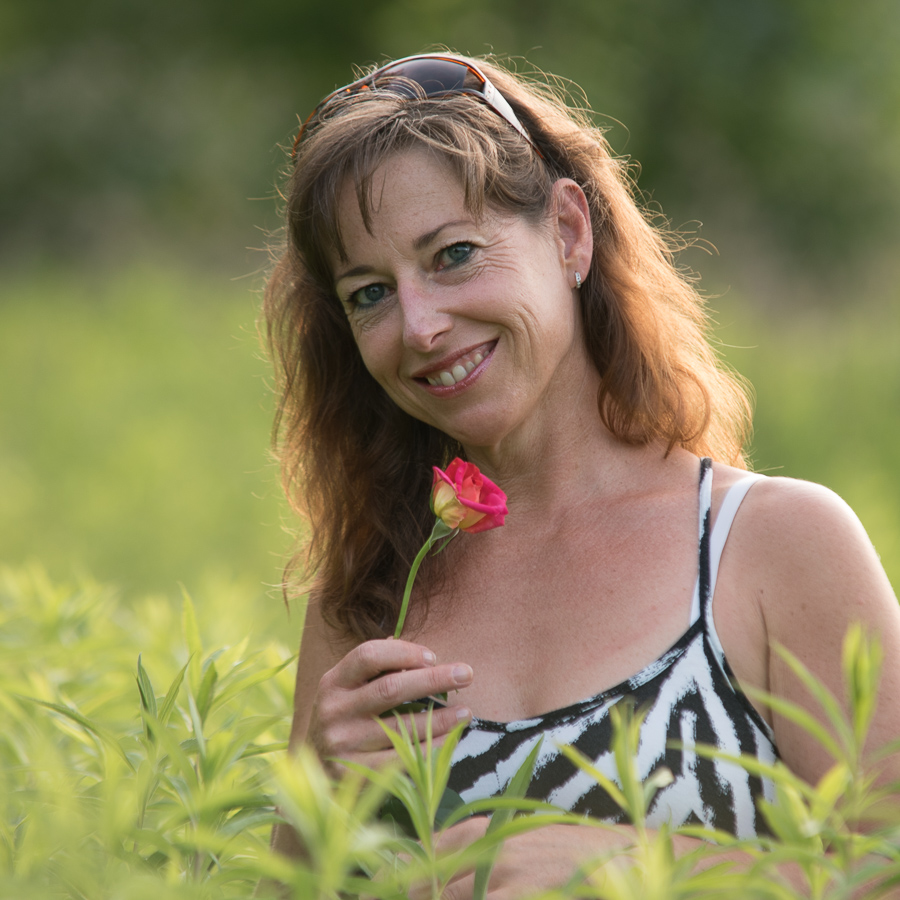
[[463, 498]]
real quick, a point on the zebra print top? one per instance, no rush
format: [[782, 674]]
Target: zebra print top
[[688, 695]]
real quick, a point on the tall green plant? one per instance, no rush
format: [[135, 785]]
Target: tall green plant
[[113, 787]]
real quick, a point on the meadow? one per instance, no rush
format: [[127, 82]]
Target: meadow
[[146, 656], [136, 408]]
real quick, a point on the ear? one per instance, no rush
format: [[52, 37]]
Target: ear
[[573, 223]]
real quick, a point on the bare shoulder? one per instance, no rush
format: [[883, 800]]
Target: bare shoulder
[[804, 537], [805, 562]]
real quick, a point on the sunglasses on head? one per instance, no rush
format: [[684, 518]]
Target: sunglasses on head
[[435, 76]]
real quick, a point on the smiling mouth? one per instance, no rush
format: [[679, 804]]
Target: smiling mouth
[[462, 367]]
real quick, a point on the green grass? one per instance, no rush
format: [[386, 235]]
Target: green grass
[[109, 786], [134, 424], [828, 403], [139, 758], [135, 415]]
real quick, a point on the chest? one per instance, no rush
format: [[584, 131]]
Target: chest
[[550, 619]]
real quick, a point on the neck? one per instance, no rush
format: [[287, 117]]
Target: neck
[[562, 457]]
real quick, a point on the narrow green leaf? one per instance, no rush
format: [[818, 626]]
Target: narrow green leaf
[[715, 836], [778, 773], [518, 784], [262, 749], [449, 800], [799, 716], [244, 683], [830, 789], [145, 686], [514, 804], [449, 803], [207, 690], [197, 722], [626, 734], [585, 764], [825, 698], [414, 793], [191, 637], [861, 660], [101, 734], [516, 788], [171, 695], [189, 624]]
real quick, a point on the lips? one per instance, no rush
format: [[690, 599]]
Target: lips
[[454, 371]]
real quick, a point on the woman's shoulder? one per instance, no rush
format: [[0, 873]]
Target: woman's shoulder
[[778, 502], [322, 645], [801, 557], [790, 520], [805, 559]]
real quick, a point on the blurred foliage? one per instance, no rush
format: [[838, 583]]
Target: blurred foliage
[[827, 385], [128, 122], [140, 152], [142, 757], [135, 416], [110, 786], [134, 428]]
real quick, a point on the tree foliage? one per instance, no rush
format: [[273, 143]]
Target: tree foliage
[[775, 117]]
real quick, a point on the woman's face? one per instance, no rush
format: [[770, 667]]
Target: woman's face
[[470, 325]]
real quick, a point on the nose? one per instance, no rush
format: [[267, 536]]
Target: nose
[[424, 320]]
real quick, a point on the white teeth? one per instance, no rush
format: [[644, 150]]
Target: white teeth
[[458, 372]]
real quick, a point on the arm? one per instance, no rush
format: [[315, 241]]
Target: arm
[[815, 573], [342, 688]]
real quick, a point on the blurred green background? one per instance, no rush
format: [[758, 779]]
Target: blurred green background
[[140, 153]]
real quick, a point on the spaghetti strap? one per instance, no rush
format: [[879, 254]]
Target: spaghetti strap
[[713, 537], [704, 507], [722, 527], [720, 531]]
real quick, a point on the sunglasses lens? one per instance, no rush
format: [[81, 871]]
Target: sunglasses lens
[[433, 76], [429, 76]]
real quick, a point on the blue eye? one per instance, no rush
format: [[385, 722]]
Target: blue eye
[[368, 296], [456, 253]]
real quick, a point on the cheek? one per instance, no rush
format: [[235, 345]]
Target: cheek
[[378, 355]]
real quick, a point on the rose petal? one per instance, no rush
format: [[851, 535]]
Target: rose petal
[[484, 503]]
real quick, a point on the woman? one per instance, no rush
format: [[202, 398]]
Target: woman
[[467, 274]]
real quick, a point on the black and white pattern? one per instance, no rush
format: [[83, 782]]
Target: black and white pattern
[[688, 697]]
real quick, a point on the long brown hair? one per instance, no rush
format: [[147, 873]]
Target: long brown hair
[[355, 464]]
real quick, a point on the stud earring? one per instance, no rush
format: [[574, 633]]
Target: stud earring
[[578, 281]]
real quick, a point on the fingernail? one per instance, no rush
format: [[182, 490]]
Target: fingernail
[[430, 658], [462, 674], [463, 714]]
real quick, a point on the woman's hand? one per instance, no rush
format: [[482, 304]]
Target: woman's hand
[[371, 679], [528, 863]]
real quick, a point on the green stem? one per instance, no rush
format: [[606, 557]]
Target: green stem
[[439, 531]]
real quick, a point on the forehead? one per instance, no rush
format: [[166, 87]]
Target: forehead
[[408, 194]]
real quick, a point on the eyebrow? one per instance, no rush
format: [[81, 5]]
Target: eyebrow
[[420, 243]]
